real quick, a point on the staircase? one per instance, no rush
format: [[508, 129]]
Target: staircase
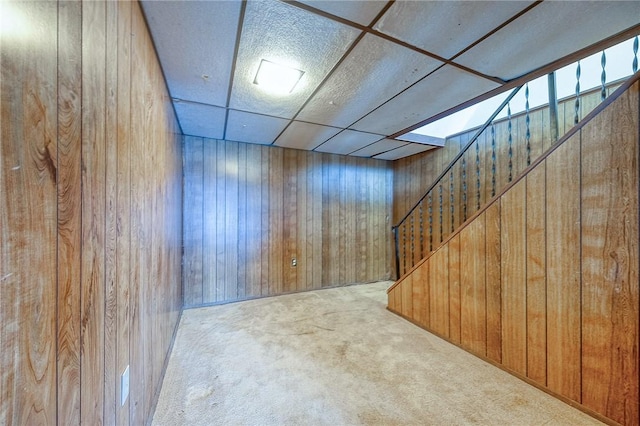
[[542, 280]]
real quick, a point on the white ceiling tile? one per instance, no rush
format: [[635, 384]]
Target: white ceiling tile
[[446, 27], [445, 88], [195, 40], [348, 141], [549, 32], [359, 11], [378, 148], [373, 72], [307, 136], [404, 151], [200, 120], [253, 128], [289, 36], [424, 139]]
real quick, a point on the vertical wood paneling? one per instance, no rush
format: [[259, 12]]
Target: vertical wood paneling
[[257, 219], [76, 108], [493, 246], [563, 269], [536, 277], [111, 169], [69, 214], [610, 262], [93, 210], [193, 214], [207, 233], [290, 220], [439, 292], [514, 278], [421, 295], [231, 222], [473, 317], [123, 228], [220, 219], [407, 300], [242, 221], [561, 257], [276, 212], [254, 222], [454, 289], [28, 161]]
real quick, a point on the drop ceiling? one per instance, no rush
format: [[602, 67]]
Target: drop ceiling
[[372, 69]]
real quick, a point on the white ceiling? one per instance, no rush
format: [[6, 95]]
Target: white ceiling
[[372, 69]]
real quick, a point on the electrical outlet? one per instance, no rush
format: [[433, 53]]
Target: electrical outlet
[[124, 386], [294, 262]]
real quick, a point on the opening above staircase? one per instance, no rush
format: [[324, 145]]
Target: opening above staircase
[[528, 121]]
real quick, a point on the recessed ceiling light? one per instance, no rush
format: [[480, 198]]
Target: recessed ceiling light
[[276, 78]]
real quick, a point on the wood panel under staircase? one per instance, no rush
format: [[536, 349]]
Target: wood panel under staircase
[[543, 281]]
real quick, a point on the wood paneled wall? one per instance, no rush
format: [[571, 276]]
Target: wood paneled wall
[[250, 209], [90, 220], [413, 175], [544, 281]]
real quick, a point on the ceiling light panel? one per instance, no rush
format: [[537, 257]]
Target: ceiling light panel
[[195, 45], [200, 120], [446, 27], [361, 12], [253, 128], [289, 36], [302, 135], [404, 151], [373, 72], [549, 32], [444, 89], [378, 148], [348, 141]]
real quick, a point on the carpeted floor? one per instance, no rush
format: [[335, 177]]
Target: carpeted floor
[[336, 357]]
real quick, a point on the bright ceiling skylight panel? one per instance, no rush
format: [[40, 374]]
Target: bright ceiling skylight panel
[[276, 78]]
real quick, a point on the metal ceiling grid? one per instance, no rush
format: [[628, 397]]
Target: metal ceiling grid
[[378, 67]]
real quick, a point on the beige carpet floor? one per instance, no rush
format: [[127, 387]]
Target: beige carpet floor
[[336, 357]]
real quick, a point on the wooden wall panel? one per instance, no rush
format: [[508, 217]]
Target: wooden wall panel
[[438, 289], [91, 234], [28, 161], [454, 289], [69, 205], [329, 212], [544, 281], [194, 163], [93, 211], [421, 295], [513, 262], [473, 316], [536, 276], [563, 269], [610, 262], [493, 244]]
